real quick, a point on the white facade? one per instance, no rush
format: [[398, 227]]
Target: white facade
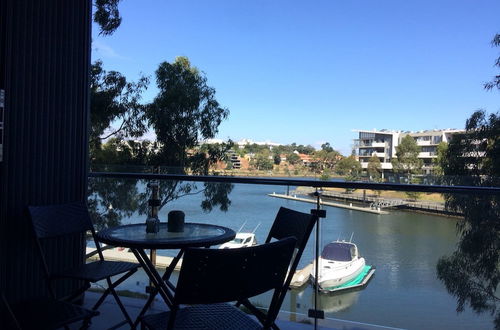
[[383, 144]]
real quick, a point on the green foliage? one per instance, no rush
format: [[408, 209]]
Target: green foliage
[[326, 175], [276, 159], [349, 166], [123, 152], [107, 16], [262, 162], [414, 195], [407, 161], [111, 200], [495, 83], [472, 272], [374, 169], [184, 111], [327, 157], [293, 159], [114, 99], [326, 147], [301, 149], [442, 149], [254, 148]]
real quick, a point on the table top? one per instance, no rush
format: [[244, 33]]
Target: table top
[[194, 235]]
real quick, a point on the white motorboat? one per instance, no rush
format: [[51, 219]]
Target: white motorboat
[[338, 264], [241, 239]]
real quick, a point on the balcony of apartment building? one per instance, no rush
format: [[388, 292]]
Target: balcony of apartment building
[[427, 154], [424, 140], [44, 65], [254, 203], [379, 144], [370, 143]]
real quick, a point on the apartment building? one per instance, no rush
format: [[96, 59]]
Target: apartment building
[[383, 144]]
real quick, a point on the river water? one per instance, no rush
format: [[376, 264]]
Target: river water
[[404, 247]]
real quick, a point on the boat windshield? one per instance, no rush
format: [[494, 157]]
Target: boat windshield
[[338, 251], [237, 240]]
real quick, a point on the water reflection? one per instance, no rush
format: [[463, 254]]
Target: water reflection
[[337, 302]]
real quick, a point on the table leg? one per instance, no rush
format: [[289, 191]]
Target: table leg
[[150, 270], [165, 277]]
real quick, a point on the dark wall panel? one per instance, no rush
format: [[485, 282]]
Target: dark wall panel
[[45, 63]]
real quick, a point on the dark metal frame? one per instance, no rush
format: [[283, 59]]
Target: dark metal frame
[[47, 231], [318, 213], [193, 289], [304, 223], [42, 313], [161, 284], [302, 183]]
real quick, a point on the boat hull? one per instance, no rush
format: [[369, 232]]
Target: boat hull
[[334, 274]]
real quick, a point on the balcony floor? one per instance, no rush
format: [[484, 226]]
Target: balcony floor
[[110, 314]]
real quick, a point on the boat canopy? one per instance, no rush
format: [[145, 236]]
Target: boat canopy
[[339, 251]]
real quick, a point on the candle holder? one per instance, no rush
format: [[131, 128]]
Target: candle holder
[[175, 221], [152, 225]]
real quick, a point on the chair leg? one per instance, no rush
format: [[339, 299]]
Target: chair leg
[[171, 317], [168, 272], [111, 287], [151, 298]]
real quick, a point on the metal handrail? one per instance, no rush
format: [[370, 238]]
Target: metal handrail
[[303, 182]]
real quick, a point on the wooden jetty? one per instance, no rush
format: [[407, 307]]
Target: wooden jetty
[[119, 254], [300, 277], [344, 206]]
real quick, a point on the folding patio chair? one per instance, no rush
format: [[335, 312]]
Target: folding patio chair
[[56, 221], [210, 278], [41, 313], [288, 223]]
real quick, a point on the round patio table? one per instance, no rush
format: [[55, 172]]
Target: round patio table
[[135, 237], [194, 235]]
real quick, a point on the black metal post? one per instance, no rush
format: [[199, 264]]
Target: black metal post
[[154, 203], [319, 213]]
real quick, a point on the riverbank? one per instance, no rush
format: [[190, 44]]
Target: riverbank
[[386, 199]]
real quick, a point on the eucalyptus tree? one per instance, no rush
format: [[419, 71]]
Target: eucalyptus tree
[[184, 112], [327, 157], [113, 99], [374, 169], [472, 272], [107, 16], [407, 161], [350, 168]]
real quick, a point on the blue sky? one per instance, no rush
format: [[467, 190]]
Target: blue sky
[[312, 71]]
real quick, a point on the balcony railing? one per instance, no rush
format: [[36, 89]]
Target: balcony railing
[[404, 246]]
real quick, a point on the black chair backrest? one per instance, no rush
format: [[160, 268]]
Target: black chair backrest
[[224, 275], [60, 220], [53, 224], [291, 223], [295, 224]]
